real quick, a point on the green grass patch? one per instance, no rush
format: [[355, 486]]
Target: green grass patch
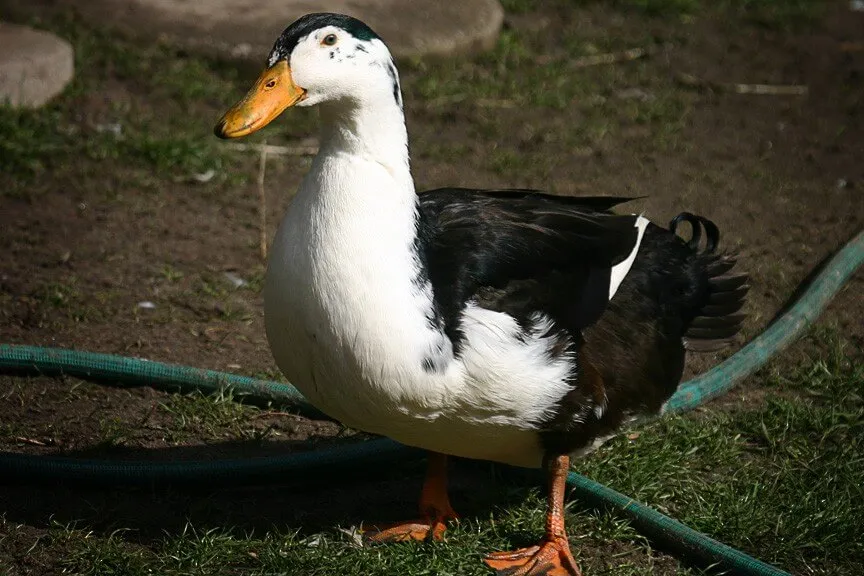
[[784, 481], [43, 141], [775, 14], [223, 552], [212, 416], [778, 14], [662, 7]]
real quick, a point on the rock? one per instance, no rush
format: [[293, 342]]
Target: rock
[[248, 28], [35, 66]]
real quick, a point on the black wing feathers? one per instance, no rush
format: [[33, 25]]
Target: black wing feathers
[[594, 203], [511, 234], [520, 251]]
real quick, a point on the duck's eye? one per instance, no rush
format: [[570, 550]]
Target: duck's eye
[[329, 40]]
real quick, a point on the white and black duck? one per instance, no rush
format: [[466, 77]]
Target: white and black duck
[[504, 325]]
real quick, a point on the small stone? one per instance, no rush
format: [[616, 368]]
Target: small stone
[[146, 305], [241, 50], [595, 100], [114, 128], [634, 94], [35, 66], [234, 280], [204, 177]]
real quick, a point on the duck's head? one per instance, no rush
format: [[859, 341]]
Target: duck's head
[[319, 58]]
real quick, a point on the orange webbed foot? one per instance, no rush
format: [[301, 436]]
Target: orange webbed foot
[[435, 510], [427, 529], [551, 558]]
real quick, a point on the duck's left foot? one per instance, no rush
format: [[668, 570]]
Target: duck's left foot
[[417, 530], [551, 558], [434, 507]]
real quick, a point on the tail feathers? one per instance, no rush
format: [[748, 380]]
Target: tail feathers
[[697, 224], [720, 266], [718, 321], [729, 297]]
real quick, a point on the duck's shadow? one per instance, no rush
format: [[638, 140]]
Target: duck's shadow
[[293, 504]]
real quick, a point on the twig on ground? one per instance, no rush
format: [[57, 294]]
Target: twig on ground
[[609, 58], [274, 150], [852, 46], [492, 103], [770, 89], [583, 62], [445, 100], [481, 102], [273, 414], [262, 197], [32, 441], [763, 89]]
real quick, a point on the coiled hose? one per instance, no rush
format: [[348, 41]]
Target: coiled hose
[[685, 541]]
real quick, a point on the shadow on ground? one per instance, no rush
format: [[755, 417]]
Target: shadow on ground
[[308, 505]]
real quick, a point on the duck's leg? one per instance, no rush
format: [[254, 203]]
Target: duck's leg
[[435, 509], [552, 556]]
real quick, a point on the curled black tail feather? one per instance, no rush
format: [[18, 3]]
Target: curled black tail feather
[[697, 224], [718, 320]]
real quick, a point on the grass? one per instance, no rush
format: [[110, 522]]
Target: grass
[[519, 76], [217, 416], [62, 300], [774, 14], [218, 552], [777, 14]]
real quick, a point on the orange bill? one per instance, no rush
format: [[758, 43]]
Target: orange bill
[[273, 92]]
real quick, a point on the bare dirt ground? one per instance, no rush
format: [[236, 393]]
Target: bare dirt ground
[[91, 239]]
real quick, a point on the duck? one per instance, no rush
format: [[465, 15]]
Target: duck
[[512, 326]]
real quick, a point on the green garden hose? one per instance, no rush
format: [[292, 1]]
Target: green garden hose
[[128, 371]]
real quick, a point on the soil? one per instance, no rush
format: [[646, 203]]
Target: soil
[[781, 175]]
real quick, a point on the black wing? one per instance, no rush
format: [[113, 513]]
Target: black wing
[[520, 252]]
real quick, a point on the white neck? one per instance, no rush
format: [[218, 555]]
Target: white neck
[[373, 129]]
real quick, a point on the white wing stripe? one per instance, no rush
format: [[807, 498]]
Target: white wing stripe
[[620, 270]]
